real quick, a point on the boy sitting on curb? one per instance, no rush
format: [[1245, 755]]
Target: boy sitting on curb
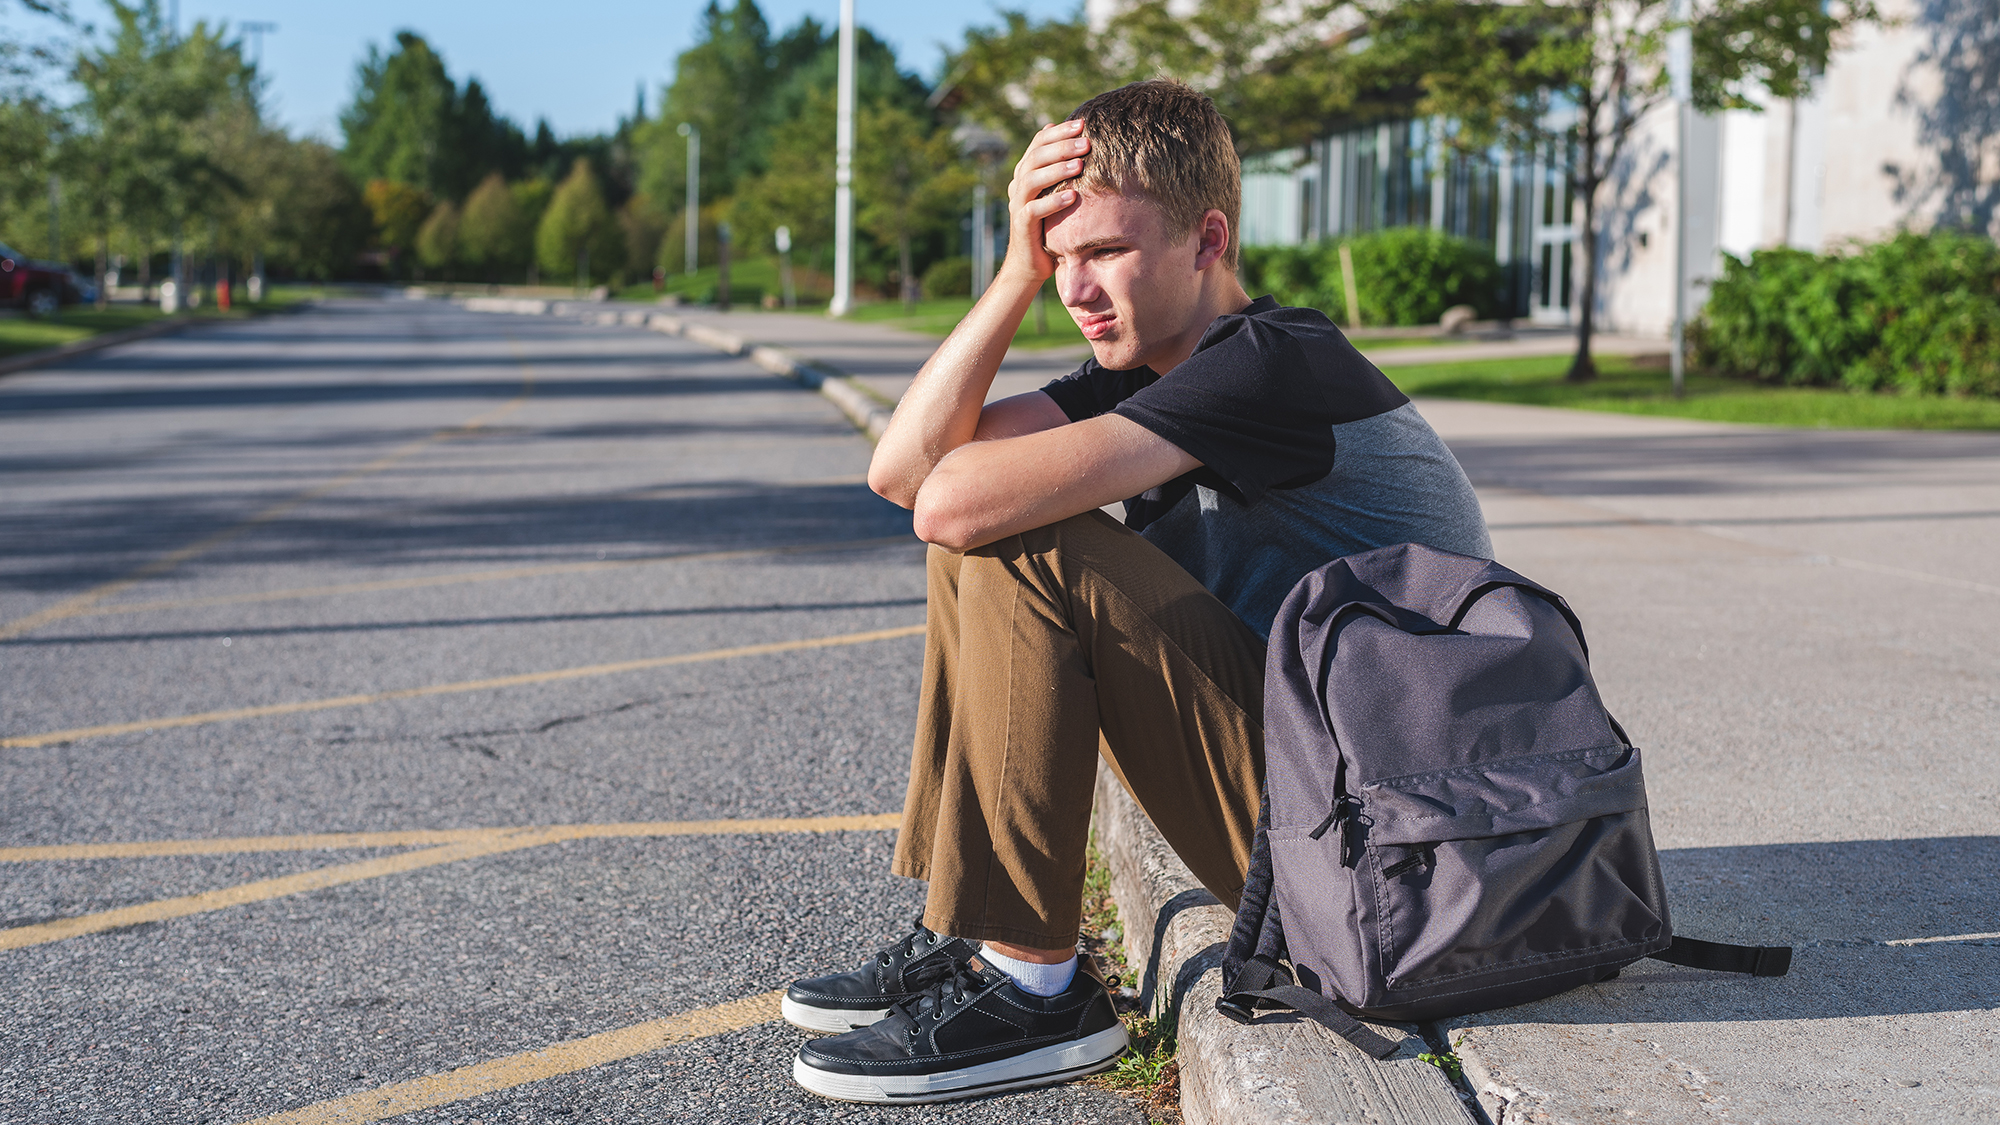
[[1250, 444]]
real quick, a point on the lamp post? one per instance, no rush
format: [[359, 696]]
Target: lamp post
[[256, 30], [1680, 77], [693, 134], [984, 147], [843, 172]]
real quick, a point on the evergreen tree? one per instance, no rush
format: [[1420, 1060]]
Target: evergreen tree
[[411, 124]]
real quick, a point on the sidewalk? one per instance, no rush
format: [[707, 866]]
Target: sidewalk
[[1797, 627]]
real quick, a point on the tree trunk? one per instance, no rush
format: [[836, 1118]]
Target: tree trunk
[[103, 264], [908, 283], [1582, 369]]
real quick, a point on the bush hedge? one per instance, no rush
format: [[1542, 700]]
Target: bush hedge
[[1405, 275], [947, 277], [1919, 314]]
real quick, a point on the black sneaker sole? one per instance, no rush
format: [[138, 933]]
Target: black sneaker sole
[[1041, 1067], [835, 1020]]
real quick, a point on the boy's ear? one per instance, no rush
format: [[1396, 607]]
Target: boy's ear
[[1212, 239]]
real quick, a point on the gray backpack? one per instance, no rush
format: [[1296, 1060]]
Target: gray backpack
[[1452, 822]]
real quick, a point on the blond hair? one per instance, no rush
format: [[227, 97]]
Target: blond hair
[[1166, 141]]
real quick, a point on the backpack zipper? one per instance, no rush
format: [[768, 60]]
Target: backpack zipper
[[1335, 815], [1422, 857]]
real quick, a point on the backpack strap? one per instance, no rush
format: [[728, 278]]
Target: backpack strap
[[1756, 960], [1253, 972], [1257, 986], [1255, 929]]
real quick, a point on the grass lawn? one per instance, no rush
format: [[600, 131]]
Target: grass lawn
[[1642, 387], [19, 334], [938, 317], [750, 280]]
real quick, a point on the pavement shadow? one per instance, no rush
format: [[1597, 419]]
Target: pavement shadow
[[1758, 461], [548, 386], [91, 540], [1878, 928]]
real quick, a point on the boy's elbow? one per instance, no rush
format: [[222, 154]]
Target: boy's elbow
[[891, 486], [937, 522]]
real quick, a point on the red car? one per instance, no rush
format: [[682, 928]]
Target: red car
[[38, 287]]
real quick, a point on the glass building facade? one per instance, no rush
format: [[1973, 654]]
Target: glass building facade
[[1406, 173]]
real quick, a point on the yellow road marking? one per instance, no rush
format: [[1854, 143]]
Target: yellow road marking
[[484, 842], [497, 575], [72, 606], [236, 845], [1934, 940], [566, 1057], [330, 841], [205, 717]]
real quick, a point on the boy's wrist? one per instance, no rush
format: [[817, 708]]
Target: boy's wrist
[[1017, 275]]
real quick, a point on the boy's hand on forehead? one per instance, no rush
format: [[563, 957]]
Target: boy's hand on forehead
[[1053, 156]]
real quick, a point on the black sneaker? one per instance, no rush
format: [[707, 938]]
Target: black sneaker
[[845, 1001], [975, 1032]]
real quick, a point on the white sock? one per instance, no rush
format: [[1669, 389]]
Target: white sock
[[1042, 980]]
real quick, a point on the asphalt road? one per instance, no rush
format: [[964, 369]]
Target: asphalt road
[[425, 578]]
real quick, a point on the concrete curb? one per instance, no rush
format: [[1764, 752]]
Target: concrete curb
[[861, 407], [1285, 1069], [92, 344]]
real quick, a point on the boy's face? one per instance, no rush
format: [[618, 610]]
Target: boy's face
[[1131, 287]]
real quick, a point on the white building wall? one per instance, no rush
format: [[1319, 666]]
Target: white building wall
[[1896, 134], [1850, 162]]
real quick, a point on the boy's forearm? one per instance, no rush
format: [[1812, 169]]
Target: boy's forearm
[[941, 409]]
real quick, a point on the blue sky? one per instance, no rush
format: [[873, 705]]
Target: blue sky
[[579, 65]]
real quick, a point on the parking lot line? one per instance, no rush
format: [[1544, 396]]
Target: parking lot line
[[72, 606], [496, 575], [203, 718], [333, 841], [567, 1057], [482, 842]]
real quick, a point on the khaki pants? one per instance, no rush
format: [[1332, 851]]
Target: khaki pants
[[1042, 650]]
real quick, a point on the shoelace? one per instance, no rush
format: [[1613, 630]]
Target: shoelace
[[957, 984], [924, 975]]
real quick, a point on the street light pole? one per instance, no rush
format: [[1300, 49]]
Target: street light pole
[[255, 29], [1680, 77], [843, 172], [693, 134]]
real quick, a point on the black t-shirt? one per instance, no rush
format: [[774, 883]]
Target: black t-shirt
[[1256, 403]]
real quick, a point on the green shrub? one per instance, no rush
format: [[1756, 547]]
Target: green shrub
[[1919, 314], [948, 277], [1404, 275]]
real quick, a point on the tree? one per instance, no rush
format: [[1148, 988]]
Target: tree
[[493, 233], [437, 239], [410, 123], [722, 85], [399, 210], [577, 229], [643, 226], [159, 127], [1267, 66], [909, 180], [743, 89], [1536, 74], [795, 187], [318, 221]]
